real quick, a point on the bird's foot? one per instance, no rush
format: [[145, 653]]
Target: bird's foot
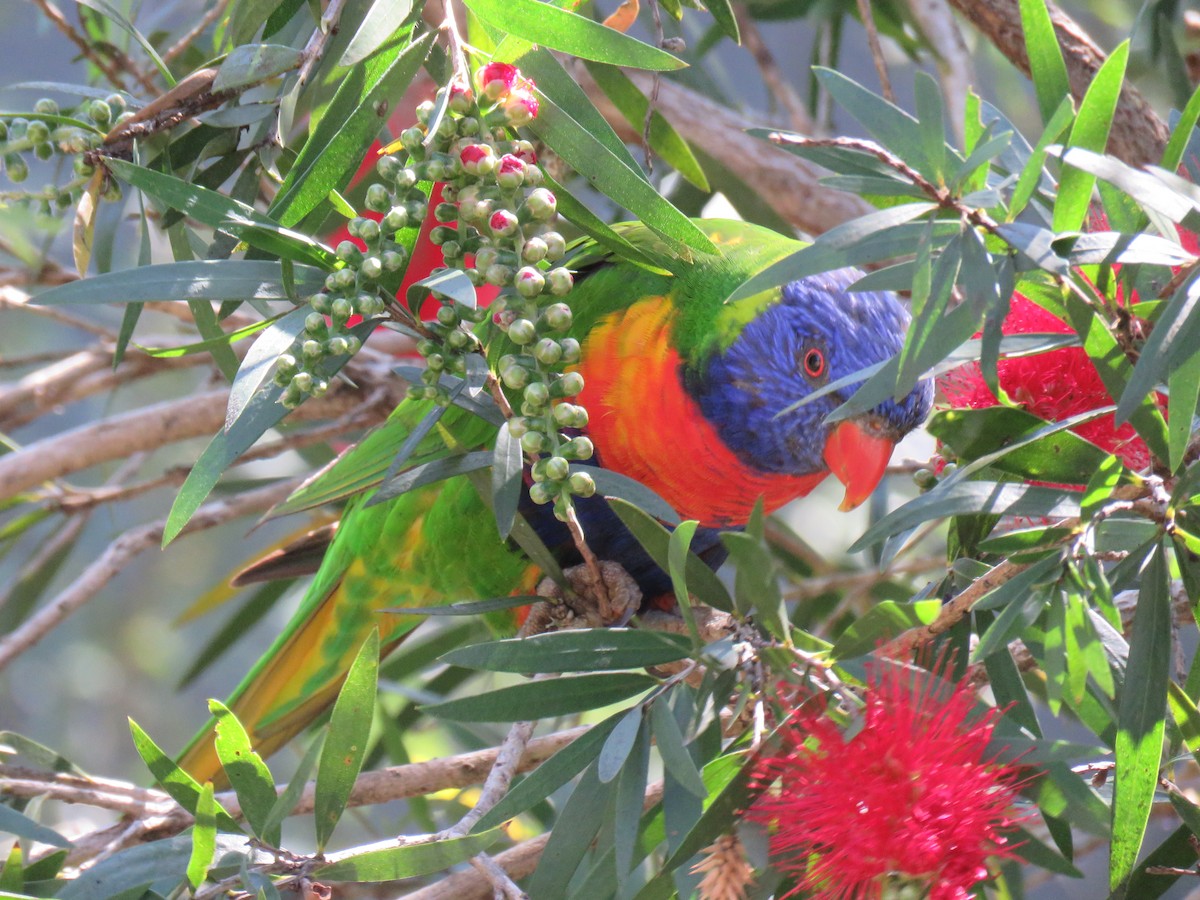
[[582, 605]]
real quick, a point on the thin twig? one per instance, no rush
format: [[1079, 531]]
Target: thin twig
[[508, 758], [868, 20], [315, 48], [779, 87], [117, 556], [54, 14], [195, 31]]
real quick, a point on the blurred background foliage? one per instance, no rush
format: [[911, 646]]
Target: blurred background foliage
[[125, 652]]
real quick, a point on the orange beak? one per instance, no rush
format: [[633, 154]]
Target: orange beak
[[858, 457]]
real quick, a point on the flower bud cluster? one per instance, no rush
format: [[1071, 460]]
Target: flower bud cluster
[[496, 225], [48, 132]]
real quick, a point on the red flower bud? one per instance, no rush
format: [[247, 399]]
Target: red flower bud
[[521, 107], [496, 79]]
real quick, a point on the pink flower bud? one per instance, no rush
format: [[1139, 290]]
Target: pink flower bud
[[521, 107], [510, 172], [477, 159], [502, 223], [461, 97], [496, 79]]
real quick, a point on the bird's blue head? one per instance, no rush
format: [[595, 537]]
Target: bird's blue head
[[818, 332]]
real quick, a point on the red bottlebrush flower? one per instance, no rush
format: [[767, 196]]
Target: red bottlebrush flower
[[496, 79], [510, 171], [1053, 386], [477, 159], [911, 799]]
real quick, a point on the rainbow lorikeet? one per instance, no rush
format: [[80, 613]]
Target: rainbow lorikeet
[[685, 393]]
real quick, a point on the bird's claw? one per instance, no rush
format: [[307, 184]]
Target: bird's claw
[[582, 605]]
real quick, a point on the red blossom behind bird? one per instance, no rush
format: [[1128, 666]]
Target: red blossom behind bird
[[912, 799]]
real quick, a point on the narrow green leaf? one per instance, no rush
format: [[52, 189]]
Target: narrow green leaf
[[246, 771], [962, 498], [289, 797], [543, 699], [448, 284], [1184, 130], [408, 861], [468, 607], [614, 178], [207, 280], [346, 741], [1141, 717], [1146, 188], [722, 13], [507, 480], [1090, 132], [183, 788], [1183, 388], [204, 837], [575, 650], [675, 757], [260, 359], [1047, 68], [379, 26], [678, 547], [20, 825], [619, 745], [573, 833], [664, 139], [701, 580], [568, 32], [1174, 340], [614, 484], [551, 775], [254, 63], [629, 799], [1034, 172], [431, 472], [335, 148]]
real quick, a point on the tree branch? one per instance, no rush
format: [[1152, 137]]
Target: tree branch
[[1138, 135]]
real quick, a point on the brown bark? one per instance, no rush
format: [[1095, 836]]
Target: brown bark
[[1138, 135]]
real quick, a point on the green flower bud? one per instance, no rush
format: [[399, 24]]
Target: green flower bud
[[486, 258], [541, 204], [416, 210], [303, 382], [435, 361], [540, 493], [441, 234], [424, 111], [581, 484], [445, 212], [3, 130], [395, 220], [17, 168], [344, 279], [46, 107], [560, 281], [44, 151], [371, 268], [366, 304], [448, 316], [388, 168], [556, 245], [579, 448], [557, 469], [518, 426], [116, 102], [406, 178], [515, 377], [451, 251], [537, 394], [291, 398], [547, 351], [529, 282], [522, 332], [533, 441], [534, 250], [568, 385], [348, 252], [338, 346], [369, 231], [378, 198], [312, 349], [459, 340], [498, 275], [38, 132], [17, 128], [314, 324], [564, 414], [342, 310], [571, 351], [557, 317], [393, 261]]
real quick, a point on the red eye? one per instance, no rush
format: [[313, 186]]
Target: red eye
[[814, 363]]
